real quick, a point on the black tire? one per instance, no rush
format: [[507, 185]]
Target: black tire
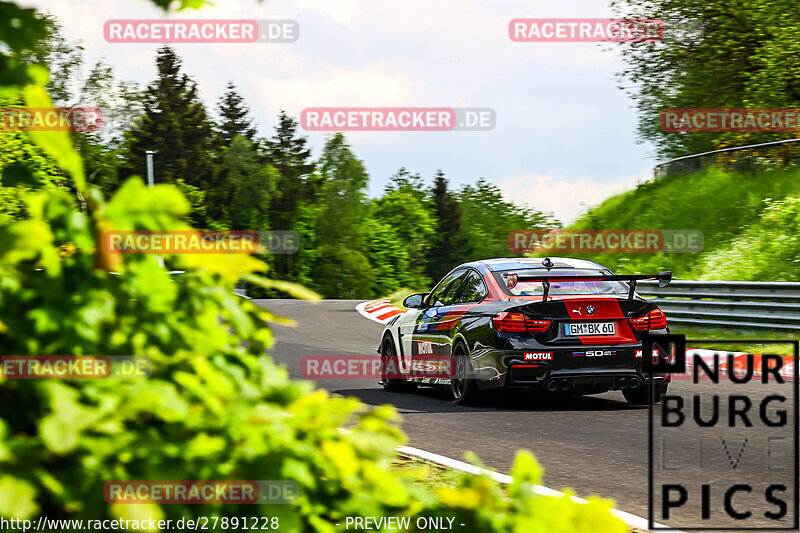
[[641, 396], [464, 389], [388, 356]]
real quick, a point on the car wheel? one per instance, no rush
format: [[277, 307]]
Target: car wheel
[[389, 360], [464, 389], [641, 396]]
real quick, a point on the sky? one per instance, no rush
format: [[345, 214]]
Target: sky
[[564, 137]]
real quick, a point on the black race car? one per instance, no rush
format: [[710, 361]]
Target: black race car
[[562, 325]]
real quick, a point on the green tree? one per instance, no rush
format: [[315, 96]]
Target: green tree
[[234, 116], [296, 183], [341, 269], [289, 154], [71, 85], [246, 188], [487, 219], [449, 247], [308, 255], [714, 55], [405, 182], [176, 126], [120, 104], [389, 258], [62, 58], [22, 162], [23, 166], [413, 225]]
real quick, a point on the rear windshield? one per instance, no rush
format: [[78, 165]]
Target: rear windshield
[[513, 286]]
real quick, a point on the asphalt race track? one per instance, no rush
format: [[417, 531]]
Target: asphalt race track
[[595, 444]]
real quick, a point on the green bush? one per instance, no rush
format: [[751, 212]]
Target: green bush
[[768, 250]]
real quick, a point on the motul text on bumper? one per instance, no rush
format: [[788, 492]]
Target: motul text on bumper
[[614, 367]]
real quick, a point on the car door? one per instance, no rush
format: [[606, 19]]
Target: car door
[[431, 336], [459, 314], [410, 322]]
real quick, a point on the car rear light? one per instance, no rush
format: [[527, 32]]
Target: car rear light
[[518, 323], [513, 322], [655, 319]]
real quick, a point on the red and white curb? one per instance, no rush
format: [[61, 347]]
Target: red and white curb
[[739, 361], [380, 311]]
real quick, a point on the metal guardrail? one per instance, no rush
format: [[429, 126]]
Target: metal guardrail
[[728, 304], [774, 154]]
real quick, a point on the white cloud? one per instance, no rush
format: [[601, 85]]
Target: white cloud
[[564, 197], [344, 12], [372, 85]]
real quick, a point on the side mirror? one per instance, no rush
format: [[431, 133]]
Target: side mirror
[[415, 301], [664, 278]]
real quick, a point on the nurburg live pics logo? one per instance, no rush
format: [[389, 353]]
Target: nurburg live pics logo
[[723, 445]]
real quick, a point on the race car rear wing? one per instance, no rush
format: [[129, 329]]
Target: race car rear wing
[[663, 280]]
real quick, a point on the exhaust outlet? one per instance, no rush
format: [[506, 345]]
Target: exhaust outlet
[[634, 383], [622, 383], [565, 385], [552, 385]]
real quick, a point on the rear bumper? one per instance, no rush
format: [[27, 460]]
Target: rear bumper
[[588, 381], [614, 369]]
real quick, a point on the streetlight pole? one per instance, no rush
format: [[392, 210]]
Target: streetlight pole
[[150, 167], [150, 181]]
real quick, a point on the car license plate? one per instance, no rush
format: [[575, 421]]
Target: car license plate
[[590, 328]]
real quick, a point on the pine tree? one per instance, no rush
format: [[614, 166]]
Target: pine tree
[[235, 116], [288, 153], [176, 126], [449, 248]]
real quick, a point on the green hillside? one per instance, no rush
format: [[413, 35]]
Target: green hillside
[[750, 222]]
